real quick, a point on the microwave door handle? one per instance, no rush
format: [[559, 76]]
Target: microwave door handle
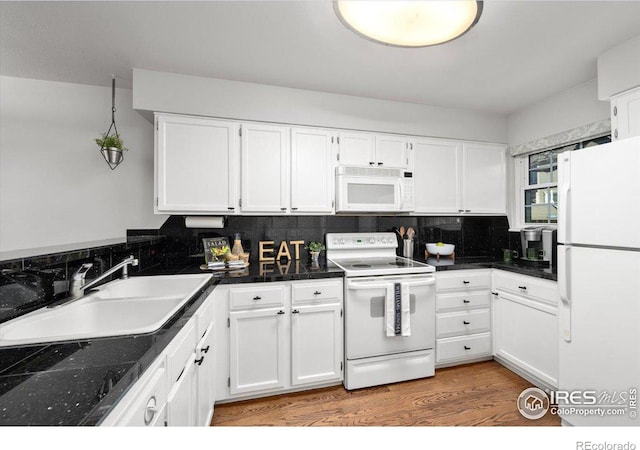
[[400, 200]]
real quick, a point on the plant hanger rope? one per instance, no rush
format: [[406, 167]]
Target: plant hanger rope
[[112, 156]]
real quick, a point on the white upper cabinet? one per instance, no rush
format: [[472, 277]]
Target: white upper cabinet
[[196, 165], [357, 149], [373, 150], [436, 175], [391, 151], [484, 179], [625, 114], [313, 161], [265, 169]]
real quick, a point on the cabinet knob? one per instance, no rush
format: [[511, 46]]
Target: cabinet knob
[[466, 322], [615, 110], [380, 163], [372, 163], [294, 209], [466, 301], [283, 209], [466, 347], [615, 133], [257, 297], [150, 410], [317, 293], [206, 349], [199, 361], [231, 208], [465, 282], [524, 288], [280, 312], [295, 311], [467, 210], [461, 210]]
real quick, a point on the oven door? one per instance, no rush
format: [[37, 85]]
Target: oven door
[[368, 194], [365, 320]]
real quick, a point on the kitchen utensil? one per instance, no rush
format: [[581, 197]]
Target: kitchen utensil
[[407, 250], [402, 232], [411, 233]]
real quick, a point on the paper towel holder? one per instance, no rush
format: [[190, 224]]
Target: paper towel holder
[[216, 222]]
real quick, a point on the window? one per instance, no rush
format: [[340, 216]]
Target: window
[[540, 189]]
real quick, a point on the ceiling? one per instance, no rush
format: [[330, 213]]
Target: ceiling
[[520, 51]]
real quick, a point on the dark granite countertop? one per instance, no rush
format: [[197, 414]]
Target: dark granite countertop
[[79, 382], [515, 266]]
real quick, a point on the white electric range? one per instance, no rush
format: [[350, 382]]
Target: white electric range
[[389, 310]]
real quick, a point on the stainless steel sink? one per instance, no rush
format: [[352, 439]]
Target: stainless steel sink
[[122, 307]]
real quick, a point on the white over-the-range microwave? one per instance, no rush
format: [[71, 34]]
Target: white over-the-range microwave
[[373, 190]]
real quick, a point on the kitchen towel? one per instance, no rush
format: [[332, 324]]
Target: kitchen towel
[[398, 310]]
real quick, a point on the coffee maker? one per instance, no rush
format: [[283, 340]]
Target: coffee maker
[[539, 244]]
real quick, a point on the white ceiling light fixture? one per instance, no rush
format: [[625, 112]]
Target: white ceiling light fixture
[[409, 23]]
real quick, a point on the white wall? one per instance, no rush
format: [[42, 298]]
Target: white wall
[[55, 187], [572, 108], [619, 68], [184, 94]]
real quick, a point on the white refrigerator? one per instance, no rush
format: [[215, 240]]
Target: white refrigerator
[[599, 283]]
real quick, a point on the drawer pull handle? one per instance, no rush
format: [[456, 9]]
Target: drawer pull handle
[[317, 293], [280, 312], [199, 361], [465, 282], [295, 311], [466, 347], [206, 349], [257, 297], [466, 301], [466, 322], [150, 411], [524, 288]]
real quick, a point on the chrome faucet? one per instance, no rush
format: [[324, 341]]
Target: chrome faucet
[[78, 285]]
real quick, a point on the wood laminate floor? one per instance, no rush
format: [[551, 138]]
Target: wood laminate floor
[[476, 394]]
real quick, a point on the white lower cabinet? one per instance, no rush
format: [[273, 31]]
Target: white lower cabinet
[[277, 337], [256, 350], [525, 311], [178, 388], [463, 316]]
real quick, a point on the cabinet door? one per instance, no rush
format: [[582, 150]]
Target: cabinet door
[[316, 343], [196, 165], [357, 149], [312, 171], [436, 176], [181, 406], [265, 169], [526, 334], [625, 115], [257, 350], [391, 151], [205, 379], [484, 178]]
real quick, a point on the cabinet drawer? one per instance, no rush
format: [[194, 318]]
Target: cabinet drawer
[[526, 286], [180, 350], [464, 322], [256, 297], [463, 347], [472, 279], [463, 300], [316, 291]]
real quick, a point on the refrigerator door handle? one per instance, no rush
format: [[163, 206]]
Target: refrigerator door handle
[[564, 197], [564, 290]]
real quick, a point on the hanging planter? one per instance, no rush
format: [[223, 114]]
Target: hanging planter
[[110, 143]]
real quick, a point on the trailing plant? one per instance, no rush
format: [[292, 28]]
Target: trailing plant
[[113, 140]]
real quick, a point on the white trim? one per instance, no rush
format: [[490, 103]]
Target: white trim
[[591, 130]]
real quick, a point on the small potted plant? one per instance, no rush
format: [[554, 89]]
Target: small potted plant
[[314, 249], [111, 147]]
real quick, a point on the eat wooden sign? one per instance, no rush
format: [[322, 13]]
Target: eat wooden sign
[[267, 250]]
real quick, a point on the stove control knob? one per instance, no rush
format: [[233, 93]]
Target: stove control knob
[[372, 241], [342, 241]]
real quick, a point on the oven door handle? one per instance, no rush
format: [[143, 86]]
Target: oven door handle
[[359, 286]]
